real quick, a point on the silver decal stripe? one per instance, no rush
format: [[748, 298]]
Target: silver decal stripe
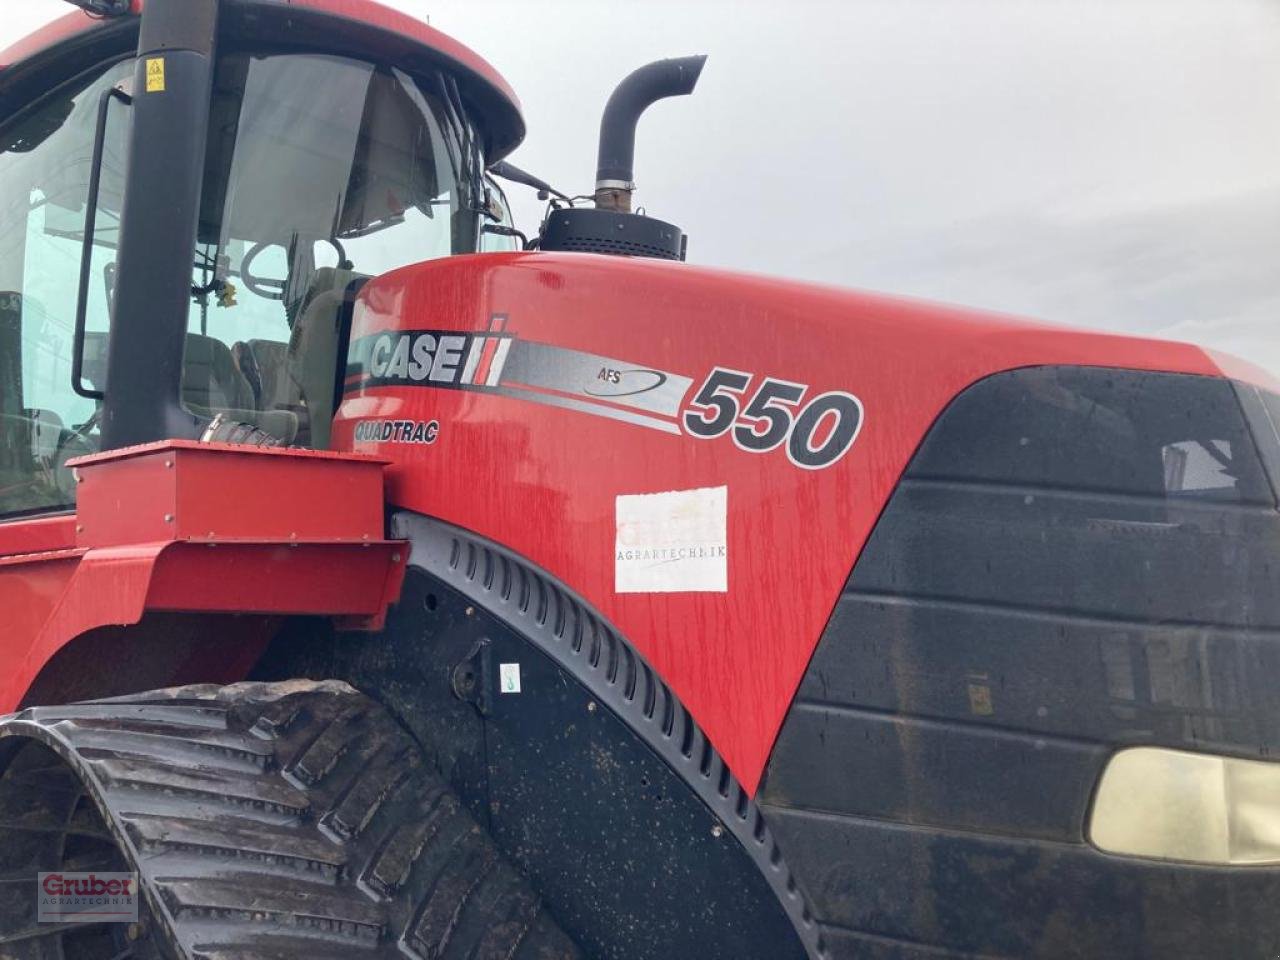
[[596, 378], [597, 409]]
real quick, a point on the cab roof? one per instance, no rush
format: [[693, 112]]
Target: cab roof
[[75, 42]]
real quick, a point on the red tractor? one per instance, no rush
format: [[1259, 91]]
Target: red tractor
[[376, 584]]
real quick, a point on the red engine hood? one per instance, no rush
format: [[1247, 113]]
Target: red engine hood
[[534, 398]]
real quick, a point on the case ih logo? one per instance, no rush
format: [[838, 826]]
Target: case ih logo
[[434, 358], [87, 898]]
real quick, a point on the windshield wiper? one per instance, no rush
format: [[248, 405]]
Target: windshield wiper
[[472, 171]]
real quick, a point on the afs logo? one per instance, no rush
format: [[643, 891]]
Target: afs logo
[[613, 382]]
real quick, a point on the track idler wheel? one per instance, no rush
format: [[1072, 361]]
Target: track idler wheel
[[289, 820]]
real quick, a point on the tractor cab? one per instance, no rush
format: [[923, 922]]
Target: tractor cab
[[329, 156]]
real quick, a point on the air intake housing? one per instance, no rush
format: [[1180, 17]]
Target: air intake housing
[[585, 230]]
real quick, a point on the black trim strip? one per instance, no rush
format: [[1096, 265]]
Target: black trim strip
[[1064, 614], [1078, 494]]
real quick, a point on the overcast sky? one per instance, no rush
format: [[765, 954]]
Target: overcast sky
[[1108, 163]]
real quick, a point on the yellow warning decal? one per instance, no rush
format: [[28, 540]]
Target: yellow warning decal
[[155, 75]]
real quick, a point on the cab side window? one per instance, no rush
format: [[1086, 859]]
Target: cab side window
[[45, 164], [497, 240]]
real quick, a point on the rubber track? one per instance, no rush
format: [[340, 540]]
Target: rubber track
[[293, 820]]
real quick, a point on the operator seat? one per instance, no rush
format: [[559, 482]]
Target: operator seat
[[265, 360], [213, 384], [313, 362], [210, 379]]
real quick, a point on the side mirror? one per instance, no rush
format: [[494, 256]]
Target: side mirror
[[492, 206]]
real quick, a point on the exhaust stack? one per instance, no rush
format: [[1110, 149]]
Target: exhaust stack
[[640, 90], [611, 227]]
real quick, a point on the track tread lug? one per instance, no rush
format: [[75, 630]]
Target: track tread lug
[[395, 858], [170, 714], [266, 845], [205, 785], [468, 863], [199, 745], [365, 796], [248, 898], [273, 948], [503, 934]]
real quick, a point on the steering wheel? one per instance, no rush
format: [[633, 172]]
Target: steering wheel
[[274, 289], [262, 286]]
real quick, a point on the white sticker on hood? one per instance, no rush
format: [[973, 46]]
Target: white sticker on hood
[[673, 542]]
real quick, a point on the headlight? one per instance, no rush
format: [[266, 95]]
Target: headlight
[[1176, 805]]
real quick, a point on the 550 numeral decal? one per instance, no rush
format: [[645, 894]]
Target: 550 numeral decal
[[816, 433]]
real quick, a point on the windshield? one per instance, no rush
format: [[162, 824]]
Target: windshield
[[322, 172]]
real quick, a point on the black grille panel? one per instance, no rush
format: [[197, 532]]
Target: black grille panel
[[1078, 559]]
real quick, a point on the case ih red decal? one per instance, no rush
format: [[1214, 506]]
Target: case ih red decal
[[815, 431]]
